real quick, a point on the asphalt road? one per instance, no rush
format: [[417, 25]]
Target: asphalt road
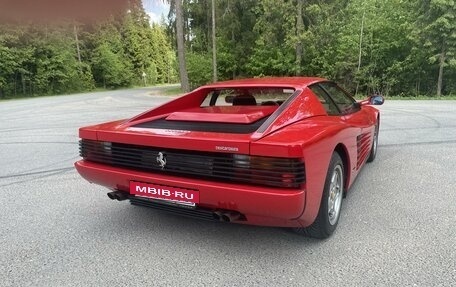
[[398, 226]]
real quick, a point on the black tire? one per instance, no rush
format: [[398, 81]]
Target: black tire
[[374, 147], [325, 224]]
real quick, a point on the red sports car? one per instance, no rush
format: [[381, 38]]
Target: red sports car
[[268, 151]]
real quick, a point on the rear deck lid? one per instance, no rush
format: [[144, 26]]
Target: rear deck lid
[[215, 129], [227, 114]]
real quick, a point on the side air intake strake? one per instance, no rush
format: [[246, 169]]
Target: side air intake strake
[[363, 143], [257, 170]]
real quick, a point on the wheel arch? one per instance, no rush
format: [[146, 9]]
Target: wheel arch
[[343, 153]]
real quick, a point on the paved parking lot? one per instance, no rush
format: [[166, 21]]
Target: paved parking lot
[[398, 225]]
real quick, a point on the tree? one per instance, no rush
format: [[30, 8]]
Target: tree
[[68, 56], [437, 31], [214, 44], [111, 66], [163, 56], [9, 60], [299, 32], [137, 38], [274, 52], [181, 46], [199, 71]]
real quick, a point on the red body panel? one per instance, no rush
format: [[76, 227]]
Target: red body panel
[[300, 129], [276, 208], [233, 114]]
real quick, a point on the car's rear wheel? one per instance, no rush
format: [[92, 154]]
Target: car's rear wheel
[[374, 147], [331, 202]]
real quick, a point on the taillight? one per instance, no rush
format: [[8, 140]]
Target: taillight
[[95, 149], [273, 171], [241, 161]]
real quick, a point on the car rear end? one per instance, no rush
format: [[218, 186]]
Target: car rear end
[[201, 162], [220, 185]]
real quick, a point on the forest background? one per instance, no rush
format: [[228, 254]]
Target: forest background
[[393, 47]]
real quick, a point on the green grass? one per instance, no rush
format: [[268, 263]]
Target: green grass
[[172, 91], [419, 97], [422, 97]]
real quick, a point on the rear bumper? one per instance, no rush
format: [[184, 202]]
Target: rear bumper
[[260, 205]]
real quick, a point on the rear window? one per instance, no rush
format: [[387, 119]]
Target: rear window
[[247, 97]]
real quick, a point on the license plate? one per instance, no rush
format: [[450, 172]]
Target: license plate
[[171, 194]]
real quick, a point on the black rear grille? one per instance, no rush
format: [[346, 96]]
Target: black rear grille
[[203, 126], [197, 213], [269, 171]]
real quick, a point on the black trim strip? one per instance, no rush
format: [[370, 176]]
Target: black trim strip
[[203, 126], [197, 213]]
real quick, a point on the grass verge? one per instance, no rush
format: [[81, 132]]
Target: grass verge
[[172, 91], [413, 98], [421, 97]]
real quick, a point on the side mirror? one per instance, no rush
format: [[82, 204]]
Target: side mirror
[[376, 100]]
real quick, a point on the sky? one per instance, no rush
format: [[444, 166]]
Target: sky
[[155, 8]]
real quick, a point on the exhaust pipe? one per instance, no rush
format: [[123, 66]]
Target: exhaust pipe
[[227, 216], [112, 195], [217, 215], [230, 216], [119, 195]]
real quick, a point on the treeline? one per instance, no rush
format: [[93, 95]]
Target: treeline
[[69, 56], [394, 47]]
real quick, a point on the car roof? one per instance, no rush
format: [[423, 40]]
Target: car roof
[[290, 82]]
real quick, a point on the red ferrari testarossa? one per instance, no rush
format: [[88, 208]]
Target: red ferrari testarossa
[[267, 151]]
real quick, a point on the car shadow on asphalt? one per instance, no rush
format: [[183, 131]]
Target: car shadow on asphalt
[[137, 222]]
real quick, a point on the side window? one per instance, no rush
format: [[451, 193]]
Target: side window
[[344, 102], [325, 100]]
